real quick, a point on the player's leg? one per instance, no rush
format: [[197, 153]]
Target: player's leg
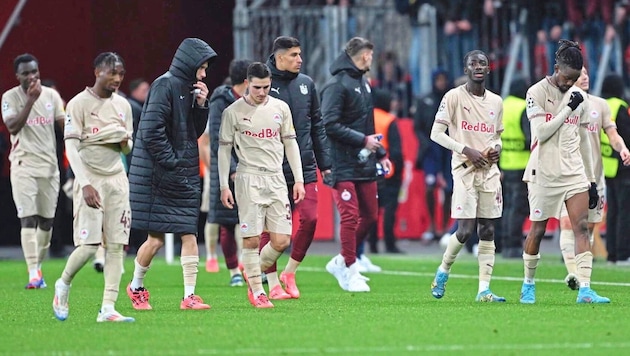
[[228, 245], [367, 195], [24, 189], [307, 210], [46, 206], [271, 270], [116, 226], [567, 248], [212, 237], [190, 261], [345, 198], [87, 226], [99, 259], [135, 290], [577, 207]]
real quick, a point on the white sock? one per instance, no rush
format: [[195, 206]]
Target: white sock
[[107, 308], [138, 275], [188, 290]]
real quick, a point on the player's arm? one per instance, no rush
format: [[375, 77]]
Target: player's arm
[[318, 134], [204, 148], [292, 152], [333, 98], [127, 144], [440, 124], [16, 122], [224, 153], [152, 126], [496, 145], [618, 144], [585, 151], [541, 128], [60, 113]]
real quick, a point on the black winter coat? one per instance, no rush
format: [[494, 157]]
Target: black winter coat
[[164, 183], [221, 98], [298, 90], [348, 115]]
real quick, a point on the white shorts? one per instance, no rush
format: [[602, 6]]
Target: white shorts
[[477, 194], [547, 202], [112, 221], [263, 204], [34, 195], [595, 215]]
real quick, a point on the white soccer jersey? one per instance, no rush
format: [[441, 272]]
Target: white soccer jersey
[[476, 122], [556, 162], [100, 124], [257, 131], [34, 147]]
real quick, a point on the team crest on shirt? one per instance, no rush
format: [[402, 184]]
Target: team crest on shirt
[[594, 114], [303, 89], [345, 195], [492, 115], [121, 116], [49, 106], [83, 234], [277, 118], [244, 227]]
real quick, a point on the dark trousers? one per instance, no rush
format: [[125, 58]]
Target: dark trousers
[[388, 191], [617, 237], [515, 210]]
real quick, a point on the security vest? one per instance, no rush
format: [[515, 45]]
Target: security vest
[[609, 161], [382, 120], [514, 152]]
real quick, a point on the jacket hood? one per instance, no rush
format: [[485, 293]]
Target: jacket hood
[[281, 74], [344, 63], [223, 92], [190, 55]]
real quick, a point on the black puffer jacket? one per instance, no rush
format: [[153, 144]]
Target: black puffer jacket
[[348, 114], [298, 90], [164, 184], [221, 98]]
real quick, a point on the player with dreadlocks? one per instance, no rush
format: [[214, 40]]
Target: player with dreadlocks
[[560, 168], [98, 128]]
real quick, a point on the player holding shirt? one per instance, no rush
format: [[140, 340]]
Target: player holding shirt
[[98, 128], [29, 111], [560, 168], [473, 116], [260, 128]]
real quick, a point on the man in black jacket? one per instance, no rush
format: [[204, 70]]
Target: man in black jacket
[[164, 183], [348, 114], [298, 90]]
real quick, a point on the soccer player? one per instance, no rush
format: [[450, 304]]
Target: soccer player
[[473, 116], [560, 168], [260, 129], [599, 115], [226, 219], [348, 114], [29, 111], [298, 91], [98, 128], [164, 182]]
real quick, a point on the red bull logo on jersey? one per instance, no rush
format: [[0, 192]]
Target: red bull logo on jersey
[[478, 127], [39, 121], [571, 120], [593, 127], [263, 133]]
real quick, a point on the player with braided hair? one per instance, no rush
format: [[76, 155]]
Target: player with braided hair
[[560, 168]]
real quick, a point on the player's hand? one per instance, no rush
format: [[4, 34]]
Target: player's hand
[[475, 157], [493, 155], [91, 196], [325, 173], [34, 89], [372, 142], [625, 156], [298, 192], [233, 176], [593, 197], [575, 100], [387, 164], [202, 94], [227, 199]]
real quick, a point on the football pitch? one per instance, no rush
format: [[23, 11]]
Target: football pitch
[[398, 317]]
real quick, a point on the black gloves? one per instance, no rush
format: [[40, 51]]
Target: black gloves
[[575, 100], [593, 197]]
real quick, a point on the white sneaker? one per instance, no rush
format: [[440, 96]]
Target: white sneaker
[[355, 281], [337, 267], [365, 263], [60, 302], [113, 316]]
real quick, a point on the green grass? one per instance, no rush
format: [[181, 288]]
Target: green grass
[[398, 317]]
